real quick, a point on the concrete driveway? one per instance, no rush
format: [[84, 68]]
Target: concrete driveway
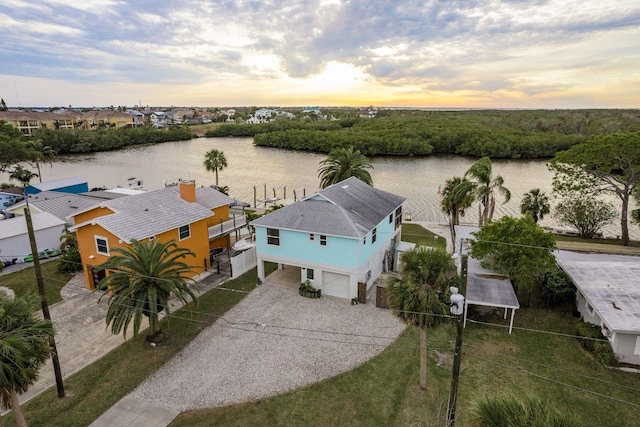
[[273, 341]]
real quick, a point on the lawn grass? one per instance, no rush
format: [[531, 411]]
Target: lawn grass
[[99, 386], [384, 391], [419, 235], [23, 281], [605, 246]]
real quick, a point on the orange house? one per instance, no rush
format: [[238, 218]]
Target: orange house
[[196, 218]]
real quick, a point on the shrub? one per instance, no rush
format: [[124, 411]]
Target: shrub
[[511, 410], [596, 343], [70, 261], [558, 288]]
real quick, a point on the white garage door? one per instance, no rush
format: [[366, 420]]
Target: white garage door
[[336, 285]]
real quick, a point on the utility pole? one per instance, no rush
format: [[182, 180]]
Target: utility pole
[[43, 299], [457, 309]]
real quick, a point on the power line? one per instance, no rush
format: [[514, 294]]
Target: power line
[[565, 371], [515, 368]]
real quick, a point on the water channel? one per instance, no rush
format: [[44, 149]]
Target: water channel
[[254, 171]]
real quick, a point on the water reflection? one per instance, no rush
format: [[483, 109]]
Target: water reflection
[[251, 167]]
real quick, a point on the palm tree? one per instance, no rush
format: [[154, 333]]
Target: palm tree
[[417, 295], [344, 163], [536, 203], [22, 175], [140, 280], [41, 153], [457, 196], [214, 160], [486, 184], [24, 348]]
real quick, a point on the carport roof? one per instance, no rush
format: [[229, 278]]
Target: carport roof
[[485, 287], [612, 289]]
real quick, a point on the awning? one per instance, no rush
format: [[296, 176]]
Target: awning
[[487, 288]]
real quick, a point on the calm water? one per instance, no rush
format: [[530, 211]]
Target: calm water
[[417, 179]]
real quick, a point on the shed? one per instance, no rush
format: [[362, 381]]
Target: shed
[[14, 238], [68, 185]]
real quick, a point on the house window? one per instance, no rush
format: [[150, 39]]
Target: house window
[[398, 216], [589, 309], [636, 350], [102, 245], [312, 237], [323, 240], [364, 241], [310, 273], [273, 236], [390, 218], [373, 236], [184, 232]]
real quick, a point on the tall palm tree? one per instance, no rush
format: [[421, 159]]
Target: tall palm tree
[[457, 197], [22, 175], [417, 296], [536, 203], [24, 348], [41, 153], [486, 185], [343, 163], [140, 280], [214, 160]]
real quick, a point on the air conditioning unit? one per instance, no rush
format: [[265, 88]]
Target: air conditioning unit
[[605, 331]]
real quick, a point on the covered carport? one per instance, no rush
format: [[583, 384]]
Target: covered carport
[[486, 288]]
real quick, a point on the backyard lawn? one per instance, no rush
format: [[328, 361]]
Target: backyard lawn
[[24, 281], [417, 234]]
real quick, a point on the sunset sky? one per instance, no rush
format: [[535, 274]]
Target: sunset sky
[[411, 53]]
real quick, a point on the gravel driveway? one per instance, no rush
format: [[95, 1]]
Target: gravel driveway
[[273, 341]]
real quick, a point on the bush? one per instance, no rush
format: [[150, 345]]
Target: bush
[[511, 410], [558, 288], [70, 261], [596, 343]]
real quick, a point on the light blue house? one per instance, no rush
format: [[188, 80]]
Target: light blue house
[[339, 237]]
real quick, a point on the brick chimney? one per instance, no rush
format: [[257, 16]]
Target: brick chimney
[[188, 191]]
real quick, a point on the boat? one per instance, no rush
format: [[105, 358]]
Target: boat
[[243, 245]]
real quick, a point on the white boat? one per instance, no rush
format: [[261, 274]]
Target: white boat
[[243, 245]]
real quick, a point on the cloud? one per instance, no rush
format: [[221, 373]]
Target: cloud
[[530, 47]]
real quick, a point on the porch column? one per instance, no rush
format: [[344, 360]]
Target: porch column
[[261, 270]]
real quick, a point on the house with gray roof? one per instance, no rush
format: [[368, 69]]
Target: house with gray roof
[[608, 296], [197, 219], [341, 238]]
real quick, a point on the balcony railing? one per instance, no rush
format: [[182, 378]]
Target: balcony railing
[[226, 227]]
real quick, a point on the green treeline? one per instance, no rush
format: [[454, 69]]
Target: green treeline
[[478, 133], [251, 130], [87, 141]]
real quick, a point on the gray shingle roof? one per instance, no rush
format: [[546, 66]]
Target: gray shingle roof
[[208, 197], [63, 205], [350, 208], [148, 214]]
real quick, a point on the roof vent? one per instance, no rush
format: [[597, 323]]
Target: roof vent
[[344, 187]]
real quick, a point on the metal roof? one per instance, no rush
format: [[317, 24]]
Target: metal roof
[[60, 183], [18, 225], [350, 208], [612, 288], [485, 287]]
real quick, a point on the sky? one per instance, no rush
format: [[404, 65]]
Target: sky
[[393, 53]]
